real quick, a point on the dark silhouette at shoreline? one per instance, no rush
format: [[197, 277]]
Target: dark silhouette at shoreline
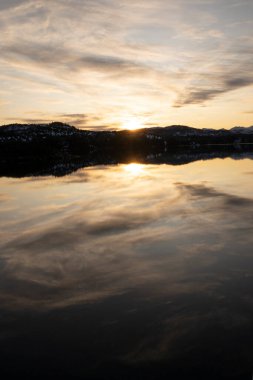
[[58, 149]]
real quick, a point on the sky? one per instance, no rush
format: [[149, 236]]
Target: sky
[[113, 64]]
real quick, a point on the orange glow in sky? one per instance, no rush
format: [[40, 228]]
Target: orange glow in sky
[[163, 62]]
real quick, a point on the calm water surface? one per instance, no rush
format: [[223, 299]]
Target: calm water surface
[[129, 272]]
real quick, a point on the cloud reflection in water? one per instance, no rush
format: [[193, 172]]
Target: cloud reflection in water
[[130, 264], [154, 231]]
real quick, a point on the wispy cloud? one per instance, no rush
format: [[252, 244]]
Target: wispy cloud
[[109, 58]]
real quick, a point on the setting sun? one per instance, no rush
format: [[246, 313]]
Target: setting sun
[[131, 124]]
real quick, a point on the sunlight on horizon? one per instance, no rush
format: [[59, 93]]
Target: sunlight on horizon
[[132, 124]]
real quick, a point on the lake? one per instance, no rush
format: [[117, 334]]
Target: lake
[[129, 271]]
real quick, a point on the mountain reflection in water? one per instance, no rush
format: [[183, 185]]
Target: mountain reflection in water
[[130, 271]]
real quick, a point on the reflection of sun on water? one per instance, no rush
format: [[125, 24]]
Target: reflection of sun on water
[[134, 170]]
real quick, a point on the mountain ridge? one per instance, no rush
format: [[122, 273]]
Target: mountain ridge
[[63, 139], [176, 128], [38, 148]]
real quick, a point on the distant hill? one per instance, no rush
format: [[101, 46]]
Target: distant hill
[[243, 130], [61, 142], [60, 136], [40, 147], [36, 130], [62, 129]]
